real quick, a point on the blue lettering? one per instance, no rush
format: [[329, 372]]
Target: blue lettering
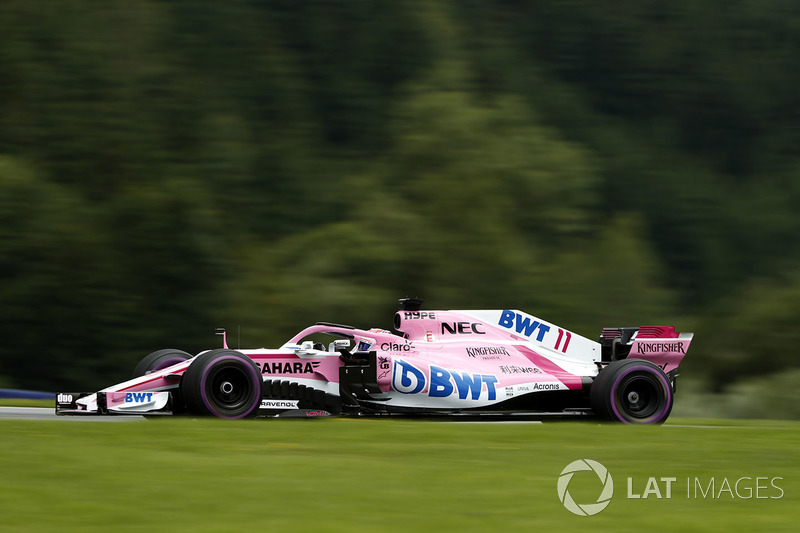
[[507, 319], [542, 330], [440, 383], [406, 378], [466, 384], [524, 323], [135, 397], [490, 381]]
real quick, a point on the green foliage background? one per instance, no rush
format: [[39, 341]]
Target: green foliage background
[[170, 167]]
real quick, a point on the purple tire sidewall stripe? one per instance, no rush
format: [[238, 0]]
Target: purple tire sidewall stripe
[[656, 417], [254, 375]]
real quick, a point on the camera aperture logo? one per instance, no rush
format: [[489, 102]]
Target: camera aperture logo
[[585, 509]]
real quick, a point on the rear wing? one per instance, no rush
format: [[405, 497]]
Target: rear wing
[[661, 345]]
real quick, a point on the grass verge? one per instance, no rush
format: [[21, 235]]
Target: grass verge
[[390, 475]]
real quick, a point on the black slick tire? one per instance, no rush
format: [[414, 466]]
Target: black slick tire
[[632, 391], [158, 360], [222, 383]]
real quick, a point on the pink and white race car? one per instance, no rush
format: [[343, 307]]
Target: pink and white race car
[[488, 363]]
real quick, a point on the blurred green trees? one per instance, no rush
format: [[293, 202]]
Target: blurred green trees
[[166, 168]]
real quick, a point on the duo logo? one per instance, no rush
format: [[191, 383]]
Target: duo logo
[[408, 379], [138, 397]]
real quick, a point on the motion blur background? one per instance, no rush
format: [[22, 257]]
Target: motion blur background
[[170, 167]]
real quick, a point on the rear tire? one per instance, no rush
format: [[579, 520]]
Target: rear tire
[[222, 383], [632, 391]]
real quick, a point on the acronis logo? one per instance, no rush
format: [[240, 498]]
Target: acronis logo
[[441, 383]]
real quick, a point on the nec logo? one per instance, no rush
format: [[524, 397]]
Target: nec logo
[[523, 324], [462, 328], [138, 397]]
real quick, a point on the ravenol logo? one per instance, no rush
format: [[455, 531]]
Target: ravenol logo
[[587, 509]]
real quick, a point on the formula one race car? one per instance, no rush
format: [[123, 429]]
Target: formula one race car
[[499, 363]]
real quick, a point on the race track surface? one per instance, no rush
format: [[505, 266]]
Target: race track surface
[[39, 413]]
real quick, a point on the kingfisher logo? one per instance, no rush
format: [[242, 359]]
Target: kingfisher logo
[[660, 347], [585, 509], [439, 382]]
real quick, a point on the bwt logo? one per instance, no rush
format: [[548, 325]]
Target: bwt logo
[[586, 509], [138, 397], [523, 324], [408, 379]]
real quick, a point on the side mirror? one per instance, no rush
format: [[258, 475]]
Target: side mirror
[[221, 331]]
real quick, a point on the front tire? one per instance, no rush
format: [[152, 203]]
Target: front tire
[[222, 383], [632, 391], [158, 360]]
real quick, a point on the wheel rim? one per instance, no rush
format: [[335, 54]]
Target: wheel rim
[[640, 396], [228, 388]]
